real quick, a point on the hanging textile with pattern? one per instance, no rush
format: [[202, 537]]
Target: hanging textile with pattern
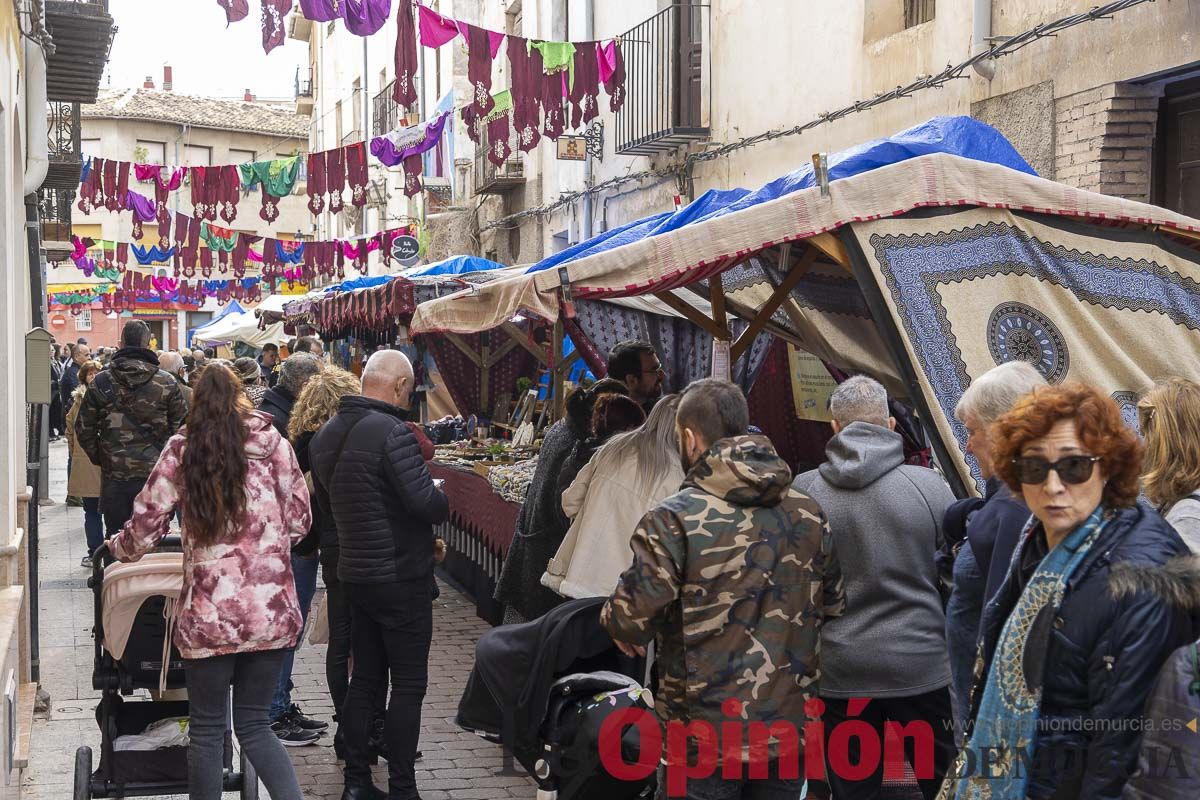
[[274, 32], [404, 88], [277, 177], [612, 73], [235, 10], [525, 76], [316, 183], [585, 85], [335, 178], [142, 209], [356, 173], [482, 47]]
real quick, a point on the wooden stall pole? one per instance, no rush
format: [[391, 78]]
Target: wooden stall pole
[[555, 378], [778, 296]]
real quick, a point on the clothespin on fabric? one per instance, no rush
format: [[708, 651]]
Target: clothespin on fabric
[[821, 172], [568, 304]]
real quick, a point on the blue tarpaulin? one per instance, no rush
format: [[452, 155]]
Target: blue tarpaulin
[[959, 136], [362, 282], [233, 307], [458, 265], [707, 203]]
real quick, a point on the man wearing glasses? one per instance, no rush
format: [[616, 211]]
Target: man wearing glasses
[[636, 365]]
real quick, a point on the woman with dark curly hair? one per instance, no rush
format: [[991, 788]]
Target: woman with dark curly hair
[[1065, 666]]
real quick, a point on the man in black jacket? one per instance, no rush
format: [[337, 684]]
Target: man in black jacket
[[129, 412], [368, 470]]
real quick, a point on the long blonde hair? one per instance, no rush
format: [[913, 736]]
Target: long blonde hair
[[654, 444], [1169, 416], [318, 400]]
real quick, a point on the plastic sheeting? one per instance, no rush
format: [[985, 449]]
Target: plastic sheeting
[[362, 282], [708, 203], [241, 327], [233, 307], [960, 136], [458, 265]]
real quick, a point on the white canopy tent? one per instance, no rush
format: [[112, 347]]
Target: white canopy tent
[[240, 328]]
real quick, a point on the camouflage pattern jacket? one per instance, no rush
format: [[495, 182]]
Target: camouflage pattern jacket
[[733, 577], [129, 412]]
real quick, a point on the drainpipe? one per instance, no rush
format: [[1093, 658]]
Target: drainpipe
[[37, 151], [589, 15], [982, 34]]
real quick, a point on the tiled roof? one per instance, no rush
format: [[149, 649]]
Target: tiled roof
[[203, 112]]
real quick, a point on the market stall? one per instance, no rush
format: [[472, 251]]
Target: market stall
[[923, 260]]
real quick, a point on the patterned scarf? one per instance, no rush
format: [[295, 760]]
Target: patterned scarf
[[1012, 698]]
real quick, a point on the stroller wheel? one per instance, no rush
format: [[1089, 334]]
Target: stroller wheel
[[83, 774], [249, 779]]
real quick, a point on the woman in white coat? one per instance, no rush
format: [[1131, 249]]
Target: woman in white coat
[[627, 477]]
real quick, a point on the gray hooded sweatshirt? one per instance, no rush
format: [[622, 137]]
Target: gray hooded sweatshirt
[[886, 520]]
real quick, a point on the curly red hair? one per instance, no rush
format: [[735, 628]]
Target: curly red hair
[[1100, 427]]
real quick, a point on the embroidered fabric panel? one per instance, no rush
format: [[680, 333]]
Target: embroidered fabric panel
[[979, 287]]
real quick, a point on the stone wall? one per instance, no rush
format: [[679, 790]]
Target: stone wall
[[1026, 118], [1105, 139]]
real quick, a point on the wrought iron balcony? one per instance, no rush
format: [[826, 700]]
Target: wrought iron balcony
[[54, 211], [490, 179], [304, 92], [666, 81], [82, 31], [386, 114], [66, 160]]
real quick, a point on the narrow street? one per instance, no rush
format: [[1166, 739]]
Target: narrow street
[[455, 764]]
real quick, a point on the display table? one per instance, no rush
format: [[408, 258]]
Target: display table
[[477, 535]]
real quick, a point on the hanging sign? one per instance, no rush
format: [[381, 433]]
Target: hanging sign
[[572, 148], [406, 250], [812, 385]]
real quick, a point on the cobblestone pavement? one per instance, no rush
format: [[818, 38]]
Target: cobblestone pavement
[[456, 764]]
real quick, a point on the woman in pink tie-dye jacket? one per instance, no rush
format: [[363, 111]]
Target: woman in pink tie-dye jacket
[[244, 503]]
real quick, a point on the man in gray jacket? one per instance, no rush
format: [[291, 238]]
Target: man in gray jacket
[[890, 645]]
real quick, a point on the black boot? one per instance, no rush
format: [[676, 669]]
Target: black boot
[[368, 792], [377, 744]]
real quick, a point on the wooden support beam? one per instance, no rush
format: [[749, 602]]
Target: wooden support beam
[[465, 348], [493, 358], [690, 313], [485, 384], [556, 392], [831, 246], [520, 338], [716, 296], [777, 298]]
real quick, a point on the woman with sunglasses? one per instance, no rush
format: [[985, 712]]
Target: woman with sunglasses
[[1065, 665], [1169, 416]]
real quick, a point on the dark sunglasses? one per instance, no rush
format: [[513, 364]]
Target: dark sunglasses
[[1072, 469]]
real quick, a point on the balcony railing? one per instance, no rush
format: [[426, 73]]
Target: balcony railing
[[63, 143], [304, 87], [386, 114], [490, 179], [666, 81], [54, 211], [82, 31]]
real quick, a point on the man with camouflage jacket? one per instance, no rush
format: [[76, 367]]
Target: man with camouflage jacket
[[733, 578], [129, 412]]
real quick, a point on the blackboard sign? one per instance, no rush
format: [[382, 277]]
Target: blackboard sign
[[406, 249]]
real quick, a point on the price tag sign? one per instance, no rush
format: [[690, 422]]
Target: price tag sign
[[406, 250]]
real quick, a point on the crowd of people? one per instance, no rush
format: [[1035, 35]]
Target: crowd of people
[[1032, 622]]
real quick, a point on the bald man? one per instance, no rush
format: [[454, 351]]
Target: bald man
[[368, 472]]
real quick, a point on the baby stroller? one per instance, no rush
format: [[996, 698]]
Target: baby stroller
[[543, 689], [134, 613]]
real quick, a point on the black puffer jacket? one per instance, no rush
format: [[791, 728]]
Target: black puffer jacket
[[1101, 661], [368, 471], [278, 402]]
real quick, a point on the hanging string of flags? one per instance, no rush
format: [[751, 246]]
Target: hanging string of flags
[[135, 290], [228, 251], [548, 78]]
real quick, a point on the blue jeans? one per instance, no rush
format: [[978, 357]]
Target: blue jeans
[[304, 572], [93, 523], [963, 612]]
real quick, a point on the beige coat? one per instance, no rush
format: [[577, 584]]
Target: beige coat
[[84, 480], [605, 504]]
